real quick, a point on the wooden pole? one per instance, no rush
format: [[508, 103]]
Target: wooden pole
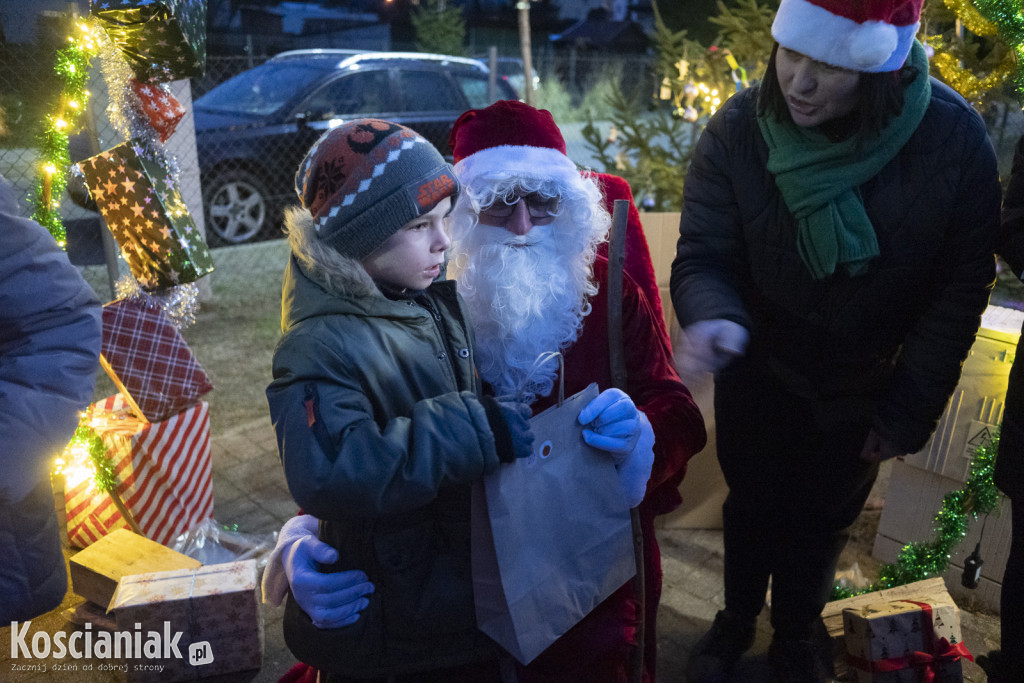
[[492, 78], [524, 44], [617, 357]]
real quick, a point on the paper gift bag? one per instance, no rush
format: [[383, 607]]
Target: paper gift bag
[[149, 361], [551, 535], [144, 211], [162, 40], [163, 471]]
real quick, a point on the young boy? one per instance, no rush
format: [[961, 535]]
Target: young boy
[[379, 415]]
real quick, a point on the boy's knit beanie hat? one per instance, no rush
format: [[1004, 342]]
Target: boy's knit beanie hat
[[365, 179]]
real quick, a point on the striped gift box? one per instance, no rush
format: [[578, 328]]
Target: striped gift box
[[163, 468], [149, 361]]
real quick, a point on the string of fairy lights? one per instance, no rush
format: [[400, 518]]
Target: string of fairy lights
[[86, 461], [72, 67]]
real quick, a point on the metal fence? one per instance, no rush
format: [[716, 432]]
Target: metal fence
[[28, 91], [28, 87]]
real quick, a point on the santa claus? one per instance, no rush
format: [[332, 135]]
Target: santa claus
[[527, 230]]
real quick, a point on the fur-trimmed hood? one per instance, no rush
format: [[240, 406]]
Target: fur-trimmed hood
[[341, 275], [319, 281]]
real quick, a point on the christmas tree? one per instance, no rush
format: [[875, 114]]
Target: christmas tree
[[439, 27], [653, 135], [977, 48]]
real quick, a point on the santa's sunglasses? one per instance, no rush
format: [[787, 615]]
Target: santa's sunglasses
[[540, 208]]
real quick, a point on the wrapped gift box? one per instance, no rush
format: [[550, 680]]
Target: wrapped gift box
[[149, 361], [898, 641], [215, 608], [163, 470], [96, 570], [144, 211], [162, 109], [162, 40]]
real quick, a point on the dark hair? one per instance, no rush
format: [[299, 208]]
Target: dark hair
[[879, 97]]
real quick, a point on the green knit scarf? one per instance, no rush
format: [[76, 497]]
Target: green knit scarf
[[819, 179]]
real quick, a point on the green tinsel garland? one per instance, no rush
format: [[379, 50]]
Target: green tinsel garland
[[105, 477], [918, 561], [72, 66]]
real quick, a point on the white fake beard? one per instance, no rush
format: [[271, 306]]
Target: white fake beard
[[524, 301]]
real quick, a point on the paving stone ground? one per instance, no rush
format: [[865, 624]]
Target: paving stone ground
[[250, 491]]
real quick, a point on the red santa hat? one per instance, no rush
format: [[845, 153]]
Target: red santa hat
[[509, 139], [866, 35]]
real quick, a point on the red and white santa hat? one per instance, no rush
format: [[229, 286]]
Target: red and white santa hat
[[509, 139], [863, 35]]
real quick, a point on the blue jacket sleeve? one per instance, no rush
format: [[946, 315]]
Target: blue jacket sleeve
[[50, 337]]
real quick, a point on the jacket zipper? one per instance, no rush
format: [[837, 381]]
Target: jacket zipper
[[442, 331]]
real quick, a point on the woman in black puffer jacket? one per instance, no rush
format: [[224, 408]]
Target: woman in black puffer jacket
[[835, 256]]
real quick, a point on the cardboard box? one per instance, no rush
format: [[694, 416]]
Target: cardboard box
[[913, 499], [95, 571], [215, 608], [976, 407], [897, 641], [704, 488], [832, 615]]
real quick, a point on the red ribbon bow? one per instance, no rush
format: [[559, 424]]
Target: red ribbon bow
[[942, 651]]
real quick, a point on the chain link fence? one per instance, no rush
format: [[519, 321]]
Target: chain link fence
[[239, 199]]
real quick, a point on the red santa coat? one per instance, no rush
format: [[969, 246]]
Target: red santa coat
[[597, 649], [638, 255]]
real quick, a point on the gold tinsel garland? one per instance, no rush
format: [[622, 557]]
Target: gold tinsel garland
[[1006, 17], [965, 82], [971, 18]]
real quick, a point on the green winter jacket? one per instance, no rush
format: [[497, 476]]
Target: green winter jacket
[[381, 432]]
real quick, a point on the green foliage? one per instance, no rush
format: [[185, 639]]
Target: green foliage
[[654, 134], [650, 151], [439, 27], [553, 96], [747, 31]]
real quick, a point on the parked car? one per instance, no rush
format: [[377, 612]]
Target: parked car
[[253, 130], [511, 70]]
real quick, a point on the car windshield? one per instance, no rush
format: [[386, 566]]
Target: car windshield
[[260, 91]]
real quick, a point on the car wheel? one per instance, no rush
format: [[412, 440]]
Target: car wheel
[[237, 207]]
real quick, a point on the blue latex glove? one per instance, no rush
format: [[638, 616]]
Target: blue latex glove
[[331, 600], [611, 423], [517, 417]]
